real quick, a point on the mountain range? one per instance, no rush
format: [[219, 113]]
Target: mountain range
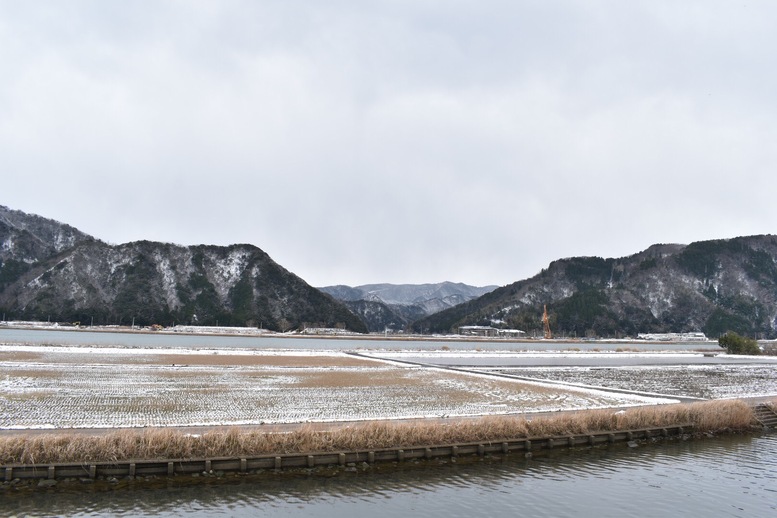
[[395, 306], [50, 270]]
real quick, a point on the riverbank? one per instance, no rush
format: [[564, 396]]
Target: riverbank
[[642, 477], [124, 459], [125, 445]]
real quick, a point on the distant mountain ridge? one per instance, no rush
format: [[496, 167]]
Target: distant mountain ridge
[[51, 270], [395, 306], [708, 286]]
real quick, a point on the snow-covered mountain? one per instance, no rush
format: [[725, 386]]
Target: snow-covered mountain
[[50, 270], [707, 286], [395, 306], [27, 238]]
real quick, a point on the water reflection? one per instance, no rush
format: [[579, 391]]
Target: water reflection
[[733, 476]]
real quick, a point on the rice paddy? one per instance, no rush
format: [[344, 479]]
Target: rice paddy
[[47, 388], [696, 381]]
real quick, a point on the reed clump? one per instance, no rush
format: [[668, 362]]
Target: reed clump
[[122, 445]]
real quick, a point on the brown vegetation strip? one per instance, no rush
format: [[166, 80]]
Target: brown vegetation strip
[[215, 360], [264, 360], [19, 356], [355, 379], [171, 444]]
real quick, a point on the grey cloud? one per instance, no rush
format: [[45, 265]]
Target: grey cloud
[[393, 141]]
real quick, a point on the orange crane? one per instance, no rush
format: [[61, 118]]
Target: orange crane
[[546, 323]]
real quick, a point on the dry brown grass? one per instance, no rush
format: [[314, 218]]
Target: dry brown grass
[[285, 360], [168, 443], [19, 356], [357, 379]]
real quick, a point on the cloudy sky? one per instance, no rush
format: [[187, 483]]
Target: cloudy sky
[[402, 141]]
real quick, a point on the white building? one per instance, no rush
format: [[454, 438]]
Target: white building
[[478, 331], [673, 337], [489, 331]]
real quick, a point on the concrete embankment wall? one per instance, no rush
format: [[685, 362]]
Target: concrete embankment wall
[[173, 467]]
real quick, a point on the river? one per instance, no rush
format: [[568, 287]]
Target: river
[[176, 340], [719, 477]]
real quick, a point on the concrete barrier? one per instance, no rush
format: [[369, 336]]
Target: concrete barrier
[[174, 467]]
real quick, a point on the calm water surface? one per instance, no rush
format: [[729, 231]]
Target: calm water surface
[[135, 339], [722, 477]]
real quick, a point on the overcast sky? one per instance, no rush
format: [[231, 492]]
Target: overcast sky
[[404, 141]]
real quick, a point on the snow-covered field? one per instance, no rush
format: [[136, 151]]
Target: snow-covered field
[[699, 381], [80, 387]]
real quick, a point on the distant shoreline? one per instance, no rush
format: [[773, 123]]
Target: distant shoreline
[[259, 333]]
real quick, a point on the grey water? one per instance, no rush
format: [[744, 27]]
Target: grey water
[[172, 340], [734, 476]]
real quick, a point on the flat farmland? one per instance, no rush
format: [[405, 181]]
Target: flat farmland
[[696, 381], [44, 387]]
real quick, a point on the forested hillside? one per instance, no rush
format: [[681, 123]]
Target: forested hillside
[[51, 271], [709, 286]]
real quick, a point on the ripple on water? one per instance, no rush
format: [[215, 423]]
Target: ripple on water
[[731, 476]]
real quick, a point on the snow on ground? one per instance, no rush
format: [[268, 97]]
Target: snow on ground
[[45, 386], [436, 355], [64, 387], [696, 381], [159, 351]]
